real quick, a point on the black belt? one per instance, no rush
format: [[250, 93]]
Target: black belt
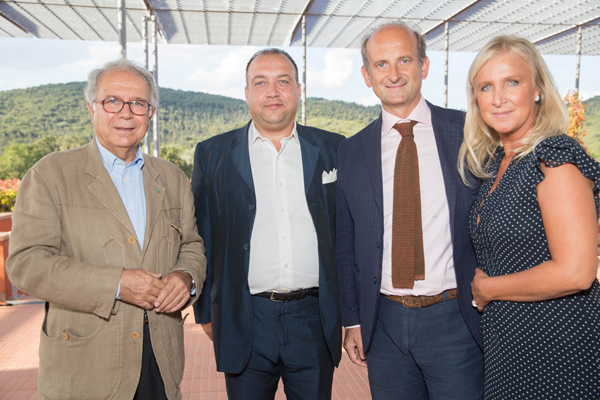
[[283, 297]]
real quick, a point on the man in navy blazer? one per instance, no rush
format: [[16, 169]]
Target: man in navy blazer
[[265, 206], [420, 342]]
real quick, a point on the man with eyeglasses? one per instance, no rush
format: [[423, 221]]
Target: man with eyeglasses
[[107, 237]]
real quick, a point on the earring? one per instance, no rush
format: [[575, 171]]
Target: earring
[[537, 98]]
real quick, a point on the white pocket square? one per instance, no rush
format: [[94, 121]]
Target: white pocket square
[[329, 177]]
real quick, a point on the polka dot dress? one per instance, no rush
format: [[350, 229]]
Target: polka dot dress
[[545, 349]]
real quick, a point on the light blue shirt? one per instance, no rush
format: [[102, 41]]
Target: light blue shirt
[[129, 182]]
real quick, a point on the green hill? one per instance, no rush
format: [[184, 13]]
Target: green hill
[[592, 126], [27, 115], [43, 119]]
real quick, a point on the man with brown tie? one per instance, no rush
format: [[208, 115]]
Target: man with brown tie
[[405, 261]]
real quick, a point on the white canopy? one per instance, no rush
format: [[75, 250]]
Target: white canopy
[[551, 24]]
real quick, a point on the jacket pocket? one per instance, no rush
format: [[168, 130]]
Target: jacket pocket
[[168, 247], [81, 367], [175, 236]]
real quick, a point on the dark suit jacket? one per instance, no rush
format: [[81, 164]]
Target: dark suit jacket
[[225, 210], [360, 221]]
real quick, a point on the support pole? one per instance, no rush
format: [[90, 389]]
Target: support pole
[[579, 40], [446, 51], [145, 41], [304, 69], [146, 146], [155, 70], [122, 27]]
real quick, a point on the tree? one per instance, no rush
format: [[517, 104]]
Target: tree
[[173, 154], [576, 116], [17, 159]]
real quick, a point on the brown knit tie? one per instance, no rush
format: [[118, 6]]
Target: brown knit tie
[[408, 259]]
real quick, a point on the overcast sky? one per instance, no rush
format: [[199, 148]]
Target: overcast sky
[[332, 73]]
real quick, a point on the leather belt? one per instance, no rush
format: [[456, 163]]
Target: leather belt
[[411, 301], [284, 297]]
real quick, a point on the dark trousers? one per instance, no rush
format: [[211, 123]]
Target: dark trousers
[[424, 353], [151, 386], [288, 343]]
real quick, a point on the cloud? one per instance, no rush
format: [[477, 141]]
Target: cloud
[[98, 55], [587, 95], [337, 70], [227, 78], [370, 101]]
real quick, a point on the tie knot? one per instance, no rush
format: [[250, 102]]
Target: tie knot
[[405, 128]]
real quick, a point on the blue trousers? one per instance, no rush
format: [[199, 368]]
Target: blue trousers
[[424, 353], [288, 344]]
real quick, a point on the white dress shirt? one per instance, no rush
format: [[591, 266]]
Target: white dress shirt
[[283, 247], [435, 215]]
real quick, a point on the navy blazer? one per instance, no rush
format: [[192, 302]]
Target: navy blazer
[[225, 210], [360, 221]]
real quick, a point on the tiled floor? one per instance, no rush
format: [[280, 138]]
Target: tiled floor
[[19, 341]]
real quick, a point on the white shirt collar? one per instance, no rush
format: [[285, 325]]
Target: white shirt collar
[[421, 114], [254, 135], [109, 159]]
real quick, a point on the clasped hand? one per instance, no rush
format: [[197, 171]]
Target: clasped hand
[[147, 290], [477, 290]]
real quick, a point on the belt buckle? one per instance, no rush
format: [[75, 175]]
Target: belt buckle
[[272, 298]]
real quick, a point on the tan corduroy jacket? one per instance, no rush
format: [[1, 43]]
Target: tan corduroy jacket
[[71, 240]]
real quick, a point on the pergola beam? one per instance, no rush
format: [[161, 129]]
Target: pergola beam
[[304, 70], [446, 54], [299, 23], [451, 18], [154, 30], [15, 24], [122, 27], [569, 28], [579, 40]]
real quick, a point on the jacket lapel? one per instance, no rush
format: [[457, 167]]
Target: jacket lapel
[[240, 155], [104, 189], [372, 148], [155, 194], [313, 167], [447, 147], [310, 155]]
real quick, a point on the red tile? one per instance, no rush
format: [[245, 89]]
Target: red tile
[[19, 341]]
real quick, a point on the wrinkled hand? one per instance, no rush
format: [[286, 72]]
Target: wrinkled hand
[[175, 293], [208, 330], [478, 295], [140, 287], [354, 346]]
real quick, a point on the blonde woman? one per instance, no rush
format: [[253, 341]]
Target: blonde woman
[[533, 227]]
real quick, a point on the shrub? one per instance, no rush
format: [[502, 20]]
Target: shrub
[[8, 194]]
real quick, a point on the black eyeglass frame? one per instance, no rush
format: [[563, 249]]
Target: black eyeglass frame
[[123, 102]]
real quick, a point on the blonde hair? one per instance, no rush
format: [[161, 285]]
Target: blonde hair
[[481, 141]]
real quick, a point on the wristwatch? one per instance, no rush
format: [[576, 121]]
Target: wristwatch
[[193, 289]]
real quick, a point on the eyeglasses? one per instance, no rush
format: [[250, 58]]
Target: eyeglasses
[[114, 105]]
